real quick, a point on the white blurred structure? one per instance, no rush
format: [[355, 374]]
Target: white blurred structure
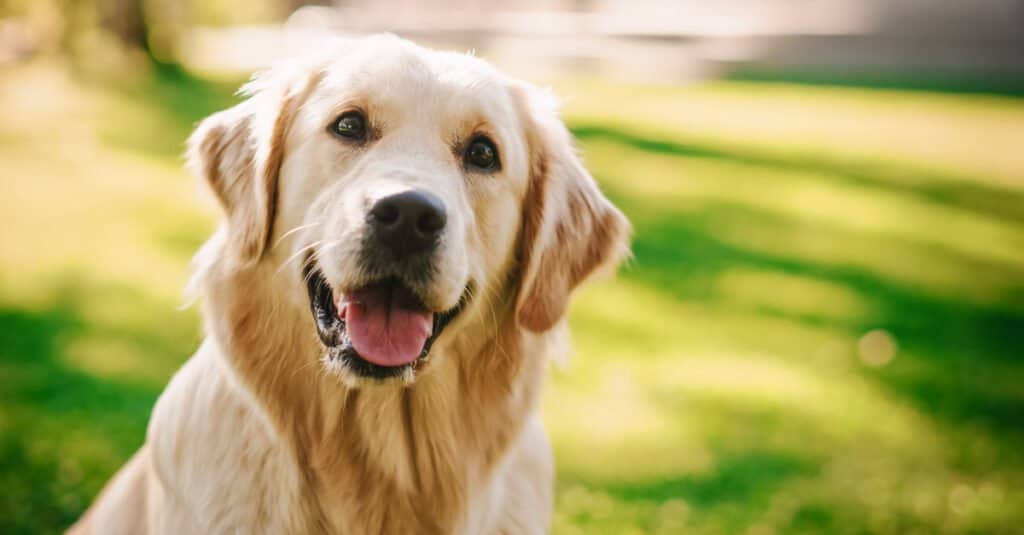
[[663, 40]]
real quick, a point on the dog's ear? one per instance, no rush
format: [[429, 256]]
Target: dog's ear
[[569, 230], [239, 152]]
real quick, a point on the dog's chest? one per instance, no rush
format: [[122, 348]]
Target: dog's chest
[[221, 465]]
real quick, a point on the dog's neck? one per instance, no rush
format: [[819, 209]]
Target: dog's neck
[[407, 458]]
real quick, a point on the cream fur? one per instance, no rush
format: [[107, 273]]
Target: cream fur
[[256, 434]]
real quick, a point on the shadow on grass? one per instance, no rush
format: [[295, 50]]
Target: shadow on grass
[[749, 478], [730, 497], [63, 431]]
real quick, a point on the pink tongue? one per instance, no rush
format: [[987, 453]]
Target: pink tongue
[[386, 324]]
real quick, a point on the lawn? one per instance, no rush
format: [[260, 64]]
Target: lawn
[[821, 330]]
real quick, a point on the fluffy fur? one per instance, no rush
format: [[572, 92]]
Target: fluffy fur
[[257, 433]]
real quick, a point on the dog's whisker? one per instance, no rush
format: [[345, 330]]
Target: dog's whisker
[[293, 231], [331, 245], [301, 250], [306, 277]]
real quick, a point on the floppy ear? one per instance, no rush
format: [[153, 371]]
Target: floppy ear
[[238, 152], [570, 229]]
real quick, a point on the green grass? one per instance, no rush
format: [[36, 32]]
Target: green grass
[[722, 384]]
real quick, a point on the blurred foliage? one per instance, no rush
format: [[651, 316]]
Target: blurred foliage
[[820, 331], [103, 34]]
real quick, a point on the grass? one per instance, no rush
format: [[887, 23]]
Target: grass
[[821, 331]]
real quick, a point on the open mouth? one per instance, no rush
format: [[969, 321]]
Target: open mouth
[[379, 330]]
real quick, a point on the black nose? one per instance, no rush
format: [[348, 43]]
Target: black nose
[[408, 222]]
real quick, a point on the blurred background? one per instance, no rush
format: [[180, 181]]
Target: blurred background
[[822, 329]]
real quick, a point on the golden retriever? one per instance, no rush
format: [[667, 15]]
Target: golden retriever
[[403, 229]]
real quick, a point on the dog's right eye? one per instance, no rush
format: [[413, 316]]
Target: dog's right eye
[[350, 125]]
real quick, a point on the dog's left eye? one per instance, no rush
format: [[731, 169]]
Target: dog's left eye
[[351, 125], [482, 153]]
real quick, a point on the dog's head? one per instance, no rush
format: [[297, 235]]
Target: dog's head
[[394, 188]]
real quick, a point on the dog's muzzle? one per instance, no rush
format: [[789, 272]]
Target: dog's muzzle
[[383, 328]]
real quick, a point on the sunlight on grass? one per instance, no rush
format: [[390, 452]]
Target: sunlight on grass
[[791, 294], [972, 135], [657, 327]]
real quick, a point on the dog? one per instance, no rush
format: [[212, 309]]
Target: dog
[[403, 229]]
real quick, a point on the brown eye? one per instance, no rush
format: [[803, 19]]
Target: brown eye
[[350, 125], [482, 154]]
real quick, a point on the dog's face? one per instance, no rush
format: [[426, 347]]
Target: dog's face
[[395, 188]]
